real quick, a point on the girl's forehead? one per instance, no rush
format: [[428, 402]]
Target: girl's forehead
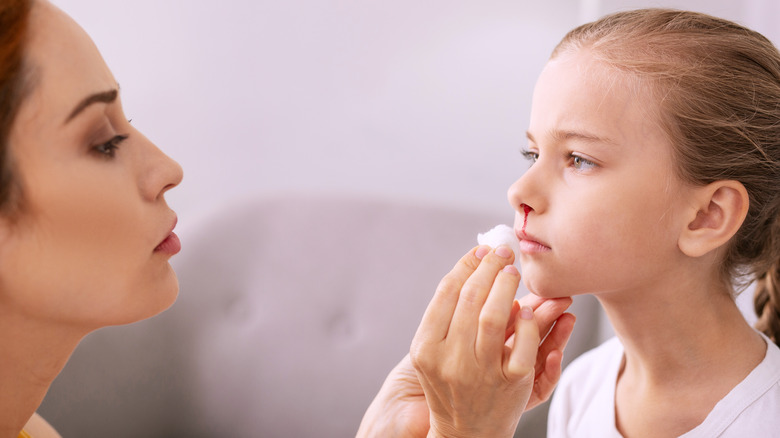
[[576, 82], [578, 92], [585, 66]]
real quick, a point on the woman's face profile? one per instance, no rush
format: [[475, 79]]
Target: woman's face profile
[[91, 242]]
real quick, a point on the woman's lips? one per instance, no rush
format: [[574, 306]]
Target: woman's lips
[[171, 245]]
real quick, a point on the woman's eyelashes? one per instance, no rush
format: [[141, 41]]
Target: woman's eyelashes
[[575, 161], [109, 148]]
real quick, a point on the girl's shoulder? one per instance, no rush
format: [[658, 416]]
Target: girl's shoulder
[[768, 371], [750, 409], [772, 350], [37, 427]]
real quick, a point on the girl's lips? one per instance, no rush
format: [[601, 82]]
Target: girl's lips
[[529, 244], [171, 245]]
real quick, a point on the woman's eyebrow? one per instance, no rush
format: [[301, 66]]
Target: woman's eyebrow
[[102, 97]]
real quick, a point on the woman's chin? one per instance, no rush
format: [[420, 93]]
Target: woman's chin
[[163, 300], [156, 301]]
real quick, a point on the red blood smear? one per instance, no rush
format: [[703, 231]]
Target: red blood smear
[[527, 210]]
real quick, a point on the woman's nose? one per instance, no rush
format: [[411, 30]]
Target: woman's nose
[[161, 174], [173, 174]]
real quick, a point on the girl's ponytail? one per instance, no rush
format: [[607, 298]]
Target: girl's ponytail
[[767, 294], [767, 303]]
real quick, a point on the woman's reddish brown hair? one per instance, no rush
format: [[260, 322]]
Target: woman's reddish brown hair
[[14, 15]]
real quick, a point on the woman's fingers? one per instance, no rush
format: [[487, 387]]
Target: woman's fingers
[[510, 325], [548, 365], [458, 353], [556, 340], [549, 312], [474, 294], [524, 349], [531, 300], [438, 316], [466, 367], [546, 312], [494, 316]]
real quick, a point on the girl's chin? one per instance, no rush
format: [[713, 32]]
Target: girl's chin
[[549, 294], [545, 291]]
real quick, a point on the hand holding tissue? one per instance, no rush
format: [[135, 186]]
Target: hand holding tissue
[[502, 235]]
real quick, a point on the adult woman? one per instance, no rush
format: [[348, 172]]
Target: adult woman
[[86, 234]]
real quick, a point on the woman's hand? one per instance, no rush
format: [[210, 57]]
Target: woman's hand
[[550, 354], [400, 408], [476, 382]]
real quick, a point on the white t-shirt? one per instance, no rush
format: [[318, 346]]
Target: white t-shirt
[[583, 405]]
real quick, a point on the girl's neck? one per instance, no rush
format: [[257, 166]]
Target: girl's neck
[[681, 329], [684, 342], [33, 355]]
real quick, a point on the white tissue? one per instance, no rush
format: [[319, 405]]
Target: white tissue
[[502, 235]]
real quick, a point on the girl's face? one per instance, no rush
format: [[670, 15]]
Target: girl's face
[[597, 212], [91, 244]]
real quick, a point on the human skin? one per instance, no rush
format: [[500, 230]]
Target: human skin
[[90, 242], [461, 378], [606, 215], [605, 205]]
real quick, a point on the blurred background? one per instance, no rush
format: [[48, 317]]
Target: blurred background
[[397, 103], [422, 100]]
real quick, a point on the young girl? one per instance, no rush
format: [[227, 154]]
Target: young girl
[[655, 186]]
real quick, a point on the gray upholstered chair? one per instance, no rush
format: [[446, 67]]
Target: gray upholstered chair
[[291, 313]]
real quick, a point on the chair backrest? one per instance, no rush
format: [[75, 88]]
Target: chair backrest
[[292, 311]]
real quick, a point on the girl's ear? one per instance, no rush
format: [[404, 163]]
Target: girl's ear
[[717, 212]]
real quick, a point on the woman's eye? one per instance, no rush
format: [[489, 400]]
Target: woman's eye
[[109, 148], [530, 155], [581, 163]]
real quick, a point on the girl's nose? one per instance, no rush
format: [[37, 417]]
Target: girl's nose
[[525, 194]]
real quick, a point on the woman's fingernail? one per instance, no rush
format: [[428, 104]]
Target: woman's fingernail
[[510, 269], [526, 312], [482, 251], [504, 251]]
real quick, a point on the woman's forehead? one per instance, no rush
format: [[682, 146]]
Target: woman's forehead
[[65, 62]]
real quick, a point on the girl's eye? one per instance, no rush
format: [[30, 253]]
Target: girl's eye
[[530, 155], [108, 149], [581, 163]]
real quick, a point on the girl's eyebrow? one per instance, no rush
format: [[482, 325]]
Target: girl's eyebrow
[[564, 135], [101, 97]]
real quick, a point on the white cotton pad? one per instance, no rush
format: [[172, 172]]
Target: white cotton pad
[[502, 235]]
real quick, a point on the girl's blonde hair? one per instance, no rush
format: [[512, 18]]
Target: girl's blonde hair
[[717, 85]]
